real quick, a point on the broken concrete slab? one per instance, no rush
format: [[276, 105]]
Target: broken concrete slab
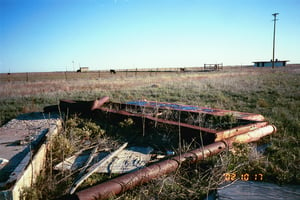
[[74, 162], [19, 132], [23, 145], [96, 166], [127, 160]]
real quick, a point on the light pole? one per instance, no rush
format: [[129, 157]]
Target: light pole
[[274, 14]]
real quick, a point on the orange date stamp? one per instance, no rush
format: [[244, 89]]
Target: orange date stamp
[[243, 177]]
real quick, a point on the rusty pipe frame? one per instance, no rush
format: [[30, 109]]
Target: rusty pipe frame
[[128, 181], [218, 134], [197, 109]]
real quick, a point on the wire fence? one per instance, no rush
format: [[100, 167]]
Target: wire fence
[[71, 75]]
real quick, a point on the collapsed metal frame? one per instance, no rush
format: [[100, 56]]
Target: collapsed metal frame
[[252, 128], [150, 110]]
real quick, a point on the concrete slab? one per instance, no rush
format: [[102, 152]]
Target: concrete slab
[[20, 141]]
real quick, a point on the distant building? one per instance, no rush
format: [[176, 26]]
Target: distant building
[[83, 69], [213, 66], [277, 63]]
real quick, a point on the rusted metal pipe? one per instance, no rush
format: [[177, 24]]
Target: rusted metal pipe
[[128, 181], [252, 135], [99, 102], [221, 135], [85, 107]]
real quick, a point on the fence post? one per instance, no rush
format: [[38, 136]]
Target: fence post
[[8, 77]]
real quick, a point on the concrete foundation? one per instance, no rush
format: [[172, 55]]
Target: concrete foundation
[[23, 143]]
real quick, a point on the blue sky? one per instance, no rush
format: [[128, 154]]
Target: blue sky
[[48, 35]]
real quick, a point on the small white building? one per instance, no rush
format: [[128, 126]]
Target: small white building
[[83, 69], [277, 63]]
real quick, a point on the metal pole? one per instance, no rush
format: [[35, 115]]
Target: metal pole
[[274, 14]]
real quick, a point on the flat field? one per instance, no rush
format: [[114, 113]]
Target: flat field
[[274, 93]]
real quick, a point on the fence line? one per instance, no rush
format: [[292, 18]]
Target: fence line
[[71, 75]]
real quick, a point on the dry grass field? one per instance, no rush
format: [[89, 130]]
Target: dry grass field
[[274, 93]]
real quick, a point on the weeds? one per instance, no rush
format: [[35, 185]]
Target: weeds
[[78, 134], [61, 148]]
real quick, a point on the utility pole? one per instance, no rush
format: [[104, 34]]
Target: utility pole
[[274, 14]]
